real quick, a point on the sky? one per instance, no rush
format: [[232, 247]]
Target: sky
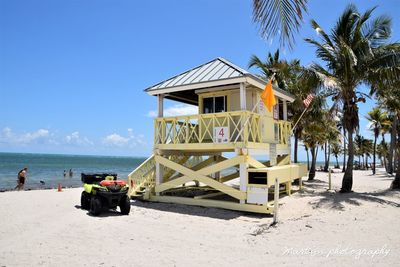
[[72, 72]]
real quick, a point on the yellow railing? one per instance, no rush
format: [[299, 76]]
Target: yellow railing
[[285, 129], [198, 129], [143, 177]]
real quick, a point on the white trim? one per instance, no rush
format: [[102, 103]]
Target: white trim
[[197, 86], [219, 88]]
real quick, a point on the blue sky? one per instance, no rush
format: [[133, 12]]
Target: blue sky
[[72, 73]]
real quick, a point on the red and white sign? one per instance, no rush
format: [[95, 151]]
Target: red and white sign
[[221, 135]]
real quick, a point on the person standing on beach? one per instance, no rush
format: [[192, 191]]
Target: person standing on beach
[[21, 179]]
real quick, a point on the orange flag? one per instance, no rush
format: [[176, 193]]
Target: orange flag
[[268, 96]]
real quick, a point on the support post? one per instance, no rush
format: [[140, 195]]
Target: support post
[[160, 105], [242, 94], [243, 174], [330, 179], [159, 175], [276, 201], [243, 107], [284, 109], [243, 178]]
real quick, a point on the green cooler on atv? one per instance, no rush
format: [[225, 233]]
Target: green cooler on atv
[[103, 191]]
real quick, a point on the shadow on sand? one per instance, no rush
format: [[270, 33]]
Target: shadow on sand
[[215, 213], [105, 213], [336, 200]]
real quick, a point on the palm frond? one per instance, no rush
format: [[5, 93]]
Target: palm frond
[[279, 16]]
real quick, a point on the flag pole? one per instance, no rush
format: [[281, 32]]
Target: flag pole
[[294, 127], [307, 105], [254, 108]]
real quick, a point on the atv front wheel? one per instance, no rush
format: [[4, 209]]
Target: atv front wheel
[[85, 200], [95, 205], [125, 205]]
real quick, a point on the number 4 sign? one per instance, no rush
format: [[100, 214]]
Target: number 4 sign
[[221, 135]]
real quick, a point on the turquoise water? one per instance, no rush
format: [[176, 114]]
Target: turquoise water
[[50, 168]]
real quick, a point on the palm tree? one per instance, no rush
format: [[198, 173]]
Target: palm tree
[[279, 16], [358, 151], [315, 132], [393, 133], [378, 120], [389, 96], [336, 151], [382, 152], [355, 52], [332, 136], [368, 148]]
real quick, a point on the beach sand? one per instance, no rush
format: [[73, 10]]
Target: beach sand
[[48, 228]]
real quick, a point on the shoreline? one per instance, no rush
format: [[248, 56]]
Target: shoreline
[[38, 188]]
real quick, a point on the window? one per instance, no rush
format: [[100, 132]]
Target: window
[[215, 104]]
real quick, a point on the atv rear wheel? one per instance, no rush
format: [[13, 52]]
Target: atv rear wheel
[[85, 200], [95, 205], [125, 205]]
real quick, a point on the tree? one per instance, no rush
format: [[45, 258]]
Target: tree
[[355, 52], [316, 131], [336, 151], [358, 149], [382, 152], [378, 120], [332, 136], [279, 16], [389, 96]]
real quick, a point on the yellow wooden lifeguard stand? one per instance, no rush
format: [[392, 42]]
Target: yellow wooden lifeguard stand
[[209, 159]]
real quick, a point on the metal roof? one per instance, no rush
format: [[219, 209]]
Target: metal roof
[[214, 70]]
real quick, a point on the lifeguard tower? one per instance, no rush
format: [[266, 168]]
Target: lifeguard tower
[[226, 156]]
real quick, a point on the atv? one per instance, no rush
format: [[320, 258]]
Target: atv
[[103, 191]]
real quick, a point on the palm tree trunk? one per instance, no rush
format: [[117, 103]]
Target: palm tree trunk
[[311, 173], [396, 181], [392, 145], [347, 182], [384, 161], [296, 144], [326, 167], [337, 162], [344, 150], [374, 156], [308, 158], [366, 161]]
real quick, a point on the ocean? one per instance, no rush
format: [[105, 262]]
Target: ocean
[[50, 168]]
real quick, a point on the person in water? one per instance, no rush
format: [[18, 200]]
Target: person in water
[[65, 173], [71, 173], [21, 178]]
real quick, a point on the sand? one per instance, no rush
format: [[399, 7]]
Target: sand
[[48, 228]]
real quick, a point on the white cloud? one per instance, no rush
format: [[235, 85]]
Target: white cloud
[[115, 139], [75, 139], [176, 110], [130, 140], [40, 136]]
